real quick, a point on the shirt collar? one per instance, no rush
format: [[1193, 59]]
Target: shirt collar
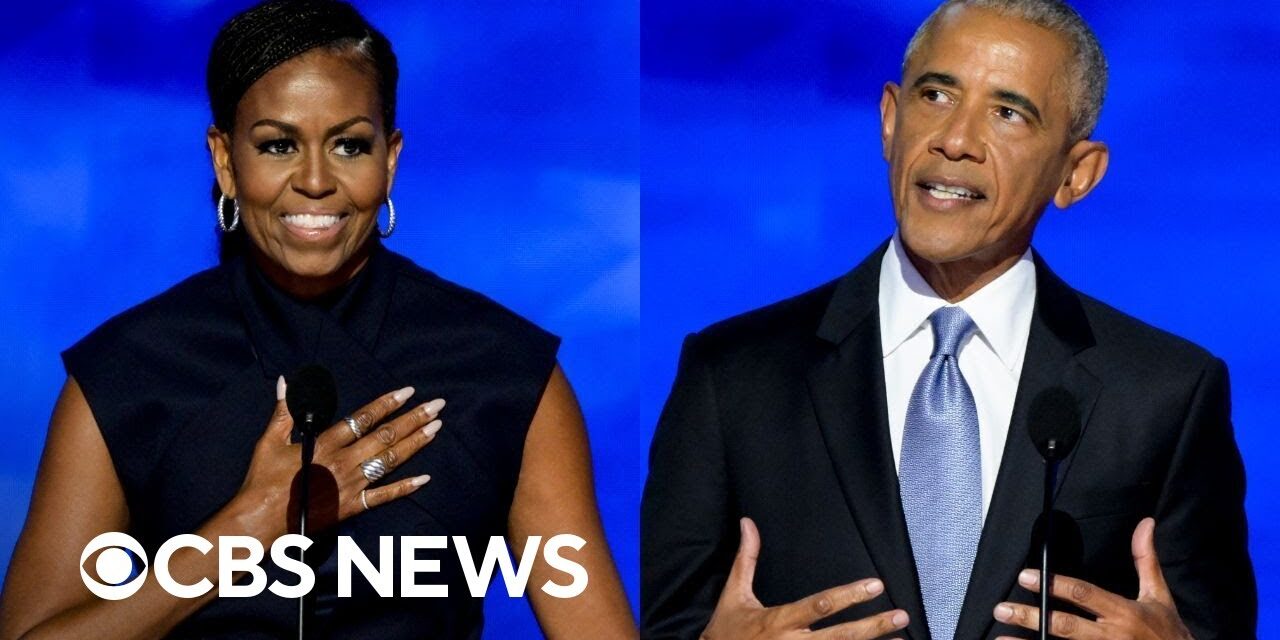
[[1001, 310], [287, 333]]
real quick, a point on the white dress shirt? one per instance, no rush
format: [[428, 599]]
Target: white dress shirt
[[990, 358]]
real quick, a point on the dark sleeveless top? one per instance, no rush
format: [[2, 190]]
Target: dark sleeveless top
[[183, 385]]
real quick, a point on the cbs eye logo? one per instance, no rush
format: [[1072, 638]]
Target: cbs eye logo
[[116, 565]]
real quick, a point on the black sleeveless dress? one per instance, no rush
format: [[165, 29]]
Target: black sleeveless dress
[[182, 387]]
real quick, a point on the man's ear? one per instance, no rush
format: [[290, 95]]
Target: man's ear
[[395, 142], [888, 117], [1086, 164], [220, 153]]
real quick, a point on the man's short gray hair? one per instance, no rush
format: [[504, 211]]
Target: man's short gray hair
[[1089, 72]]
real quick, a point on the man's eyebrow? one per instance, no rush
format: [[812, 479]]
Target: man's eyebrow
[[1015, 98], [1005, 95], [293, 130], [944, 79]]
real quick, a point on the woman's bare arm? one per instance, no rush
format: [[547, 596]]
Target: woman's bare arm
[[555, 494], [78, 496]]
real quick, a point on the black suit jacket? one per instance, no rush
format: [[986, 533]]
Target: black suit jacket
[[779, 415]]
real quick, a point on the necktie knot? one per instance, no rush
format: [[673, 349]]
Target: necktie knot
[[950, 326]]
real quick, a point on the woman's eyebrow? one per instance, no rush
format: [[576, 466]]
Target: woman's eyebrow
[[294, 131]]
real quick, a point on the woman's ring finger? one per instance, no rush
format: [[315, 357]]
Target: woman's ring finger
[[354, 426]]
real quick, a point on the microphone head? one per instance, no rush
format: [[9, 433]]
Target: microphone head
[[1054, 418], [311, 390]]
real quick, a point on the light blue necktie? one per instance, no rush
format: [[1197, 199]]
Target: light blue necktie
[[940, 474]]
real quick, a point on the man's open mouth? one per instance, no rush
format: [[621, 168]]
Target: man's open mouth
[[951, 192]]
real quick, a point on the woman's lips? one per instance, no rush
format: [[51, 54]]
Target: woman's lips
[[312, 227]]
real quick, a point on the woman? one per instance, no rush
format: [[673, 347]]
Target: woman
[[159, 428]]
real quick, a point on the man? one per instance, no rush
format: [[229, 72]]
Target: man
[[864, 446]]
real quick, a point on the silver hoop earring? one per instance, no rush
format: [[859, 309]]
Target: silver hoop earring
[[235, 214], [391, 223]]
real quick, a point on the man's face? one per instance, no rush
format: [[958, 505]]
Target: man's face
[[977, 138]]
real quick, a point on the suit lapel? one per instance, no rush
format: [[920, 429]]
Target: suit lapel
[[1059, 331], [848, 393]]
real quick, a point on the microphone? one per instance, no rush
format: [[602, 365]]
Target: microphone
[[1054, 426], [1054, 423], [312, 398]]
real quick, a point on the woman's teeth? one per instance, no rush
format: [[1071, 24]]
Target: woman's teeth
[[308, 221]]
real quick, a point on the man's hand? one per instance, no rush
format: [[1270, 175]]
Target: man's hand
[[740, 616], [1153, 616]]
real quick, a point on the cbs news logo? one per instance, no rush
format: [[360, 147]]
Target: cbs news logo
[[122, 567]]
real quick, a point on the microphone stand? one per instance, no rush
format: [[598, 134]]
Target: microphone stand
[[311, 400], [1051, 460], [308, 453]]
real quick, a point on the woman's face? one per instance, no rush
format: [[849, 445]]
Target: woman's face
[[310, 165]]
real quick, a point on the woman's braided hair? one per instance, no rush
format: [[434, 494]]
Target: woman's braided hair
[[268, 34]]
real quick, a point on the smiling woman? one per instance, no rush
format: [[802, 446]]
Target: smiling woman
[[316, 146], [311, 176], [159, 431]]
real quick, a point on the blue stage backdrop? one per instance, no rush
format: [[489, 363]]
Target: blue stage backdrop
[[763, 177], [519, 178]]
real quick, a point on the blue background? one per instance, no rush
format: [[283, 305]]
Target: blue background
[[529, 127], [519, 178], [762, 178]]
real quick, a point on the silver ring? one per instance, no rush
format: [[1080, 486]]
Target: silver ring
[[363, 501], [373, 469], [354, 426]]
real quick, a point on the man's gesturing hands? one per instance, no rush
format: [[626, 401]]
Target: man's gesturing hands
[[1153, 616], [740, 616]]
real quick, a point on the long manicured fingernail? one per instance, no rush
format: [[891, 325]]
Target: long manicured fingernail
[[1004, 612], [280, 387], [431, 428], [403, 394], [433, 408], [874, 587], [418, 481], [1028, 578], [900, 619]]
